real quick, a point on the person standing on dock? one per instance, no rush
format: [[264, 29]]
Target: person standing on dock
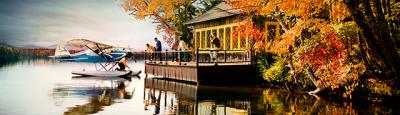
[[182, 48], [216, 43], [158, 48], [149, 50]]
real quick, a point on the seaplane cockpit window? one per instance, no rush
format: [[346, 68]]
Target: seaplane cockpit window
[[90, 52]]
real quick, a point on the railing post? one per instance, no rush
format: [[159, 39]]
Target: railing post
[[225, 56], [144, 56], [166, 56], [173, 56], [244, 56], [179, 57], [197, 57]]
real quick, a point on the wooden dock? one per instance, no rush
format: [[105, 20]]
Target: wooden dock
[[232, 66]]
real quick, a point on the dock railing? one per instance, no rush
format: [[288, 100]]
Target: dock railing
[[198, 57]]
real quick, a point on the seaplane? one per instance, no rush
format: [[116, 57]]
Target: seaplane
[[103, 56]]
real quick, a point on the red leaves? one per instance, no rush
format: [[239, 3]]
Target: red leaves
[[328, 56], [330, 50], [247, 28]]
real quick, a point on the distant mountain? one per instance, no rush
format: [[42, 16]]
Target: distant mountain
[[5, 45], [32, 47], [36, 47], [52, 46]]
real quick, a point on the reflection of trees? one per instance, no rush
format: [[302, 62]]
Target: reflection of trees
[[278, 102], [4, 62], [219, 101]]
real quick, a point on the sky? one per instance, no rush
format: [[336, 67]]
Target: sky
[[49, 22]]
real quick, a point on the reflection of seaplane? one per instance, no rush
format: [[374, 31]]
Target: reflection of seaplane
[[82, 50]]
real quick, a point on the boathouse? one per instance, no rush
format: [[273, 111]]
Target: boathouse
[[234, 62]]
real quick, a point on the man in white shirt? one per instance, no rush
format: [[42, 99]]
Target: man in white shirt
[[182, 47]]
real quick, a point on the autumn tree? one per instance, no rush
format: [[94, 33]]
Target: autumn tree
[[161, 11], [169, 14], [317, 39], [207, 4]]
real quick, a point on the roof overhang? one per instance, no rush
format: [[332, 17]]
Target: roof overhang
[[220, 11]]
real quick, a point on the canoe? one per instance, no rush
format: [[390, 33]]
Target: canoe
[[107, 73]]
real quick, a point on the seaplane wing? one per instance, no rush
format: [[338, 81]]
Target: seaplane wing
[[83, 50]]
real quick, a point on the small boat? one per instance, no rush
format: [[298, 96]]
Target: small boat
[[106, 73]]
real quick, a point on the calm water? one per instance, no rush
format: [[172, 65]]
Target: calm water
[[46, 87]]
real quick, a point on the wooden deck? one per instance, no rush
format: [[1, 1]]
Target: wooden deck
[[227, 69]]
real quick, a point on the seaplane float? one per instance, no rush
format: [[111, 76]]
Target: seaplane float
[[103, 56]]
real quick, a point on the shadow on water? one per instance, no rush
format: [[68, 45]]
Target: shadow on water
[[103, 92], [171, 97]]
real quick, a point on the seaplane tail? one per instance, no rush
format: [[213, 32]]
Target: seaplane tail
[[61, 52]]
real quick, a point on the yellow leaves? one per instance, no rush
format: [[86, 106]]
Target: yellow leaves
[[280, 46], [160, 8], [246, 6], [276, 71], [304, 9], [339, 11], [349, 89], [379, 87]]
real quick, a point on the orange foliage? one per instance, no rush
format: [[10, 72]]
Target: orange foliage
[[321, 46], [158, 8], [162, 11], [247, 28]]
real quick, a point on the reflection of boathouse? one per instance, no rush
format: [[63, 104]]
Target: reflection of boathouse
[[234, 62], [168, 97]]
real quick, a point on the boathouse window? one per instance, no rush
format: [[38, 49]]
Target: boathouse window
[[208, 44], [227, 37], [272, 30], [221, 36]]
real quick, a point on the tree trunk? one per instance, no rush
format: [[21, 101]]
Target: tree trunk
[[377, 37], [311, 76], [291, 66]]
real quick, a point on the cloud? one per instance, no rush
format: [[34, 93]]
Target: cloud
[[48, 22]]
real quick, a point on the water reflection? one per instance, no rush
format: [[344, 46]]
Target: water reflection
[[100, 93], [168, 97], [25, 61], [46, 87]]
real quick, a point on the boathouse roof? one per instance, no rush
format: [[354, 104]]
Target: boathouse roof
[[219, 11]]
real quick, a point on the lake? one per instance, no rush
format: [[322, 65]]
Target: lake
[[45, 86]]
